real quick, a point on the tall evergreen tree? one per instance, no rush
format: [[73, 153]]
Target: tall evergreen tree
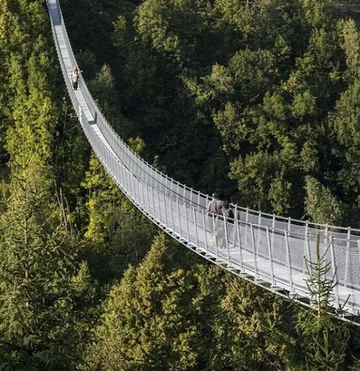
[[111, 240], [254, 330], [324, 339], [147, 321], [44, 295]]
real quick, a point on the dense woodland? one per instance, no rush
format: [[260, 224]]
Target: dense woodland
[[257, 100]]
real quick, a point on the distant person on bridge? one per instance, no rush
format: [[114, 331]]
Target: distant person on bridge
[[215, 205], [213, 210], [227, 212], [225, 229], [75, 77]]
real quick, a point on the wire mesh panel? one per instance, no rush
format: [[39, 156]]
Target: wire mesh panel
[[297, 253], [268, 247]]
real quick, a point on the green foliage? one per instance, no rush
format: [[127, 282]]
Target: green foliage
[[147, 322], [279, 195], [314, 11], [44, 294], [70, 158], [90, 24], [350, 43], [174, 28], [87, 60], [345, 118], [103, 87], [259, 100], [323, 338], [321, 205], [253, 330], [137, 145], [106, 96], [25, 64], [44, 297], [153, 67], [344, 124], [116, 234], [303, 105], [310, 156], [263, 172]]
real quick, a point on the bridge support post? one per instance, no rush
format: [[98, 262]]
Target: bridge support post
[[215, 226], [326, 240], [147, 195], [259, 225], [153, 200], [187, 221], [308, 249], [333, 263], [165, 212], [288, 260], [226, 239], [347, 255], [179, 216], [196, 226], [234, 234], [273, 230], [177, 191], [270, 256], [205, 235], [172, 214], [289, 225], [247, 224], [239, 237], [254, 250], [159, 204], [143, 193]]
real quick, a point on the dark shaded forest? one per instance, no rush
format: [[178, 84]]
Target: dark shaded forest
[[256, 100]]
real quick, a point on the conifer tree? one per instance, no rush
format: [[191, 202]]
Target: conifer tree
[[253, 330], [111, 240], [320, 204], [147, 319], [44, 294], [324, 339]]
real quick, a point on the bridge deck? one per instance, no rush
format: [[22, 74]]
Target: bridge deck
[[272, 250]]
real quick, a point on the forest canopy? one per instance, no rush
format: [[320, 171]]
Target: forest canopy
[[256, 100]]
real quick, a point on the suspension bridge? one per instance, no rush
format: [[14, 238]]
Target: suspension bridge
[[270, 250]]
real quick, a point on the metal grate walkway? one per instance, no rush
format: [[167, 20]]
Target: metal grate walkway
[[268, 249]]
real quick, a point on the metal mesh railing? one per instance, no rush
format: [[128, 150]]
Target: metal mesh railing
[[268, 247]]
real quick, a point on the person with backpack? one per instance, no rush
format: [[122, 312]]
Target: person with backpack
[[215, 205], [227, 212], [74, 76], [213, 211], [225, 229]]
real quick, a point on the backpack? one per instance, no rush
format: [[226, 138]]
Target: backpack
[[228, 213]]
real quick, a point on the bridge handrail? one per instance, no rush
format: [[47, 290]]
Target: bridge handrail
[[163, 179], [266, 239], [199, 199], [112, 137]]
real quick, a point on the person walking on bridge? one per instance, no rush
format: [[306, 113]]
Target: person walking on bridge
[[214, 210], [226, 229], [227, 212], [215, 205], [75, 77]]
